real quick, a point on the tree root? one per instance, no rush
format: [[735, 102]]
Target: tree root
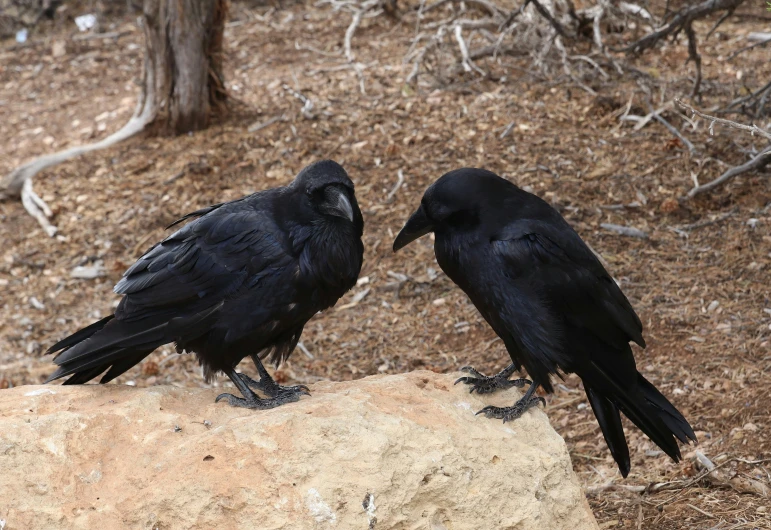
[[19, 182]]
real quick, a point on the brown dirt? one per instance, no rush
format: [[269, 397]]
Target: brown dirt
[[704, 299]]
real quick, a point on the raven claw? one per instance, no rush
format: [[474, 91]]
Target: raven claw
[[287, 395], [484, 384], [513, 412], [272, 389]]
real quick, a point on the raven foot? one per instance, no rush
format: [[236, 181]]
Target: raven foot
[[278, 395], [513, 412], [272, 389], [287, 395], [484, 384]]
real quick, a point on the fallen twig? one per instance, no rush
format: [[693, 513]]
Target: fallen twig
[[759, 161], [258, 126], [507, 130], [392, 193], [753, 129], [702, 224], [671, 128], [625, 230], [748, 48], [307, 109], [96, 36]]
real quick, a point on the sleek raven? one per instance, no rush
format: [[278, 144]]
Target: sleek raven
[[548, 298], [240, 280]]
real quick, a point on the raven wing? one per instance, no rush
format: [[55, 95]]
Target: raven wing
[[177, 289], [203, 263], [559, 264], [552, 286]]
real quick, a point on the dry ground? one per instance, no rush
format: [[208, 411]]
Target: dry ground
[[704, 299]]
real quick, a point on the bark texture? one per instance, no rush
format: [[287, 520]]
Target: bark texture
[[183, 84]]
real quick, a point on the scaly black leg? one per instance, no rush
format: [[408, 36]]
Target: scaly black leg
[[484, 384], [518, 409], [267, 385], [250, 399]]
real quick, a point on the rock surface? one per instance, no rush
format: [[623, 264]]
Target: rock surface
[[385, 452]]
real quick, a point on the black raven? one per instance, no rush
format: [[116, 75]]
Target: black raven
[[548, 298], [240, 280]]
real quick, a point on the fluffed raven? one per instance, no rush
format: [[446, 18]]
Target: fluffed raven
[[240, 280], [548, 298]]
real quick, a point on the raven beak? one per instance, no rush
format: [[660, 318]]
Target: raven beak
[[337, 203], [417, 225]]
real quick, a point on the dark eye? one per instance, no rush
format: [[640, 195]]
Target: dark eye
[[463, 219]]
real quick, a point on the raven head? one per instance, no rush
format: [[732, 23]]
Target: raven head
[[454, 202], [330, 190]]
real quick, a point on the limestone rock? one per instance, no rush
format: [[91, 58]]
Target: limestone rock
[[385, 452]]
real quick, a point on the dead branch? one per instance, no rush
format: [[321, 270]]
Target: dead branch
[[307, 108], [548, 16], [724, 478], [683, 21], [625, 230], [534, 25], [485, 4], [679, 22], [358, 15], [399, 182], [467, 63], [37, 208], [369, 8], [671, 128], [753, 129], [758, 162], [684, 229], [762, 93]]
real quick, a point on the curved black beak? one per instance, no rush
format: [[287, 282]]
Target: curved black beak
[[336, 203], [417, 225]]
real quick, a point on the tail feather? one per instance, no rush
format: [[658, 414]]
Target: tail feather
[[643, 404], [125, 364], [80, 377], [610, 423], [80, 336], [116, 345], [118, 336], [671, 416]]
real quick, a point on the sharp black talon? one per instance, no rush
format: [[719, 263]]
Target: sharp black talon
[[271, 388], [482, 384], [277, 394], [471, 370], [223, 396], [258, 403]]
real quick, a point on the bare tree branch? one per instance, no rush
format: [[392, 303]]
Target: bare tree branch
[[680, 21], [758, 162], [752, 129], [671, 128]]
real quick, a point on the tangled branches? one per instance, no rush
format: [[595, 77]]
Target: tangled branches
[[683, 21], [455, 38], [451, 36]]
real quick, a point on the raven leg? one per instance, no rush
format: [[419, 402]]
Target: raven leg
[[484, 384], [518, 409], [250, 399], [267, 385]]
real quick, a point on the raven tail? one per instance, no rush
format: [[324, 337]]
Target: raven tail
[[645, 406]]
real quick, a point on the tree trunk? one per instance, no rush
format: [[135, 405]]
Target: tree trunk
[[183, 84]]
